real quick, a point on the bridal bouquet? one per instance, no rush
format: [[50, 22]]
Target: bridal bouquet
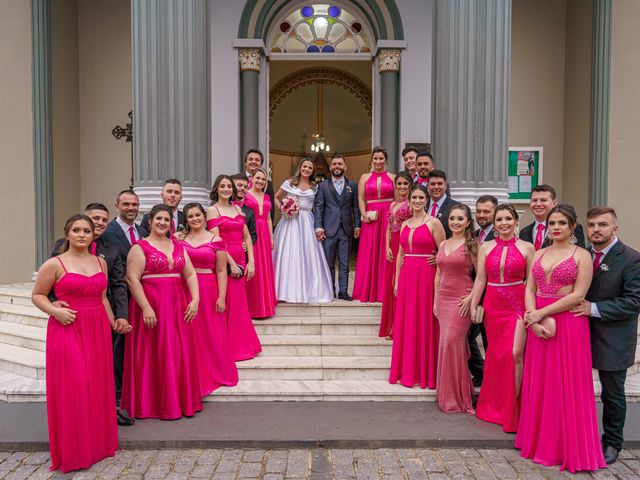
[[289, 206]]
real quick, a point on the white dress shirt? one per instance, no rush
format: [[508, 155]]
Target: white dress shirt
[[125, 228], [338, 184], [438, 203]]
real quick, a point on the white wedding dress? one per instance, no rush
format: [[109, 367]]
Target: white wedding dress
[[301, 269]]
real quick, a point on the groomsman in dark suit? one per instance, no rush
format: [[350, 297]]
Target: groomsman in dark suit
[[543, 199], [241, 182], [123, 231], [117, 294], [485, 210], [337, 222], [613, 305], [424, 166], [254, 159], [409, 155], [440, 203], [171, 195]]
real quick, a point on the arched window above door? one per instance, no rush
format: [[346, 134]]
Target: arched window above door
[[320, 28]]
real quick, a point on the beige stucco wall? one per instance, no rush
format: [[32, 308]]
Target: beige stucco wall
[[104, 39], [16, 150], [65, 111], [624, 171]]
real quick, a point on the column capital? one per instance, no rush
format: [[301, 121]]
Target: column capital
[[250, 59], [389, 60]]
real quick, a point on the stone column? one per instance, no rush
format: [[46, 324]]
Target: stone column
[[42, 141], [471, 95], [250, 60], [170, 44], [600, 93], [389, 69]]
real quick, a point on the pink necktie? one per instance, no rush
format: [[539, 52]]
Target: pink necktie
[[597, 260], [481, 236], [538, 243], [434, 210], [132, 236], [173, 226]]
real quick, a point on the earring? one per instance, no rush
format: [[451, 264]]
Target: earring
[[573, 239]]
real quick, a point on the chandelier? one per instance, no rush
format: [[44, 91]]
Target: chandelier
[[320, 144]]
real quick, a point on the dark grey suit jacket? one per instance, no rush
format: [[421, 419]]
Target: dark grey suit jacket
[[332, 210], [615, 289], [443, 213]]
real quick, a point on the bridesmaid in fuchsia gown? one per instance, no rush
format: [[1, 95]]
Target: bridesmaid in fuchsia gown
[[415, 336], [161, 376], [375, 194], [502, 268], [81, 404], [558, 420]]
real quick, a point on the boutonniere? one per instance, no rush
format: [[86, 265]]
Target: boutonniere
[[439, 215], [349, 189], [604, 267], [101, 255]]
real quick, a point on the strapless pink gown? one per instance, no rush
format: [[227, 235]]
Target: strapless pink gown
[[215, 362], [558, 420], [161, 378], [369, 284], [503, 305], [243, 339], [415, 335], [455, 389], [261, 289], [81, 402], [394, 220]]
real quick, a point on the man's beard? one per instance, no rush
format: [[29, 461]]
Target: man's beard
[[337, 175]]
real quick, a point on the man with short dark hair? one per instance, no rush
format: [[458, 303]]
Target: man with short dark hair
[[613, 304], [253, 160], [123, 231], [241, 182], [440, 204], [543, 199], [424, 166], [171, 196], [409, 155]]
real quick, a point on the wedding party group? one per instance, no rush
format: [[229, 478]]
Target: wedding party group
[[148, 318]]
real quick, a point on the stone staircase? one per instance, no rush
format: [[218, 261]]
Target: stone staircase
[[327, 352]]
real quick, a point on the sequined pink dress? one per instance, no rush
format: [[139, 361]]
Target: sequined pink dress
[[558, 420], [415, 336], [243, 339], [455, 390], [395, 217], [161, 378], [81, 402], [369, 284], [503, 304], [215, 362], [261, 289]]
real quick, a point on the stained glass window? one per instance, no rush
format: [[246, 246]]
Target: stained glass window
[[320, 28]]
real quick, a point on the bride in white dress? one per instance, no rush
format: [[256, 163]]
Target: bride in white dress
[[301, 270]]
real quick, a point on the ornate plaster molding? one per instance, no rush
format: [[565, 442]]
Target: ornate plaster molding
[[250, 59], [389, 60]]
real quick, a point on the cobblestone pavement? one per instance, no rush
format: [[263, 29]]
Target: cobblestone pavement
[[313, 464]]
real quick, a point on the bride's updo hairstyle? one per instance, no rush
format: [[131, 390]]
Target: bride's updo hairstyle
[[295, 181]]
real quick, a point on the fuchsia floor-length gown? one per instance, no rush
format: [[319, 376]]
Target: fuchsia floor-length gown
[[261, 289], [558, 420], [415, 335], [243, 339], [503, 304], [81, 402], [369, 284], [455, 389], [161, 378], [215, 362], [394, 220]]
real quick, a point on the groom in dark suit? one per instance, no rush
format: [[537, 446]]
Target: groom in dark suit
[[613, 305], [337, 221]]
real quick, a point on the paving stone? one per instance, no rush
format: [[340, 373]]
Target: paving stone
[[209, 457], [341, 457], [393, 477], [273, 476], [131, 476], [203, 471], [298, 464], [320, 462], [228, 465], [224, 476], [158, 470], [406, 453], [412, 465], [178, 476], [362, 453], [252, 456], [8, 465], [250, 470], [37, 458], [344, 471], [167, 456], [431, 460], [42, 472], [112, 471], [139, 464], [22, 473], [503, 470], [276, 465]]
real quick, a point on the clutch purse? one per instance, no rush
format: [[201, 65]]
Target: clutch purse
[[372, 214], [479, 314]]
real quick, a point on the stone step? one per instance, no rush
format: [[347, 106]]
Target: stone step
[[327, 345], [22, 361], [306, 325], [338, 308], [265, 367], [15, 295], [22, 314], [23, 335]]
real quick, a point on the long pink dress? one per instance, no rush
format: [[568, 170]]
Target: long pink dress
[[455, 389], [369, 285], [215, 362], [415, 336], [261, 289], [243, 339], [503, 304], [161, 378], [558, 420], [81, 401], [394, 220]]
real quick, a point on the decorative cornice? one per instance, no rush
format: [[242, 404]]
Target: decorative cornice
[[323, 75], [250, 59], [389, 60]]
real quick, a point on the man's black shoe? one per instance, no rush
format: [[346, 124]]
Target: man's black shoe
[[124, 420], [610, 454], [477, 382], [345, 296]]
